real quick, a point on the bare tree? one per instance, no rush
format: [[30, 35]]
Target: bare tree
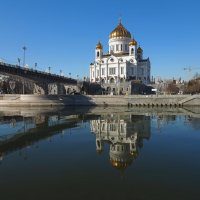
[[172, 88], [193, 86]]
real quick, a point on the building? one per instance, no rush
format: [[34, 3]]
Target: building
[[124, 61]]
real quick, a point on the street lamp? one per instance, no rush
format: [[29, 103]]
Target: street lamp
[[19, 60], [35, 65], [24, 48]]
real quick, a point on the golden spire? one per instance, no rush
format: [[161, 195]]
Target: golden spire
[[99, 45], [120, 20]]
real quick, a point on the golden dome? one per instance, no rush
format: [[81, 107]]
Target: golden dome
[[139, 50], [99, 46], [132, 42], [120, 164], [120, 31]]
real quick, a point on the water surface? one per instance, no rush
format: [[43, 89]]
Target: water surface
[[100, 153]]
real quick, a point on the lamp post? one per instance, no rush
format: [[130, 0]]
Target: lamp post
[[35, 66], [24, 48], [19, 60]]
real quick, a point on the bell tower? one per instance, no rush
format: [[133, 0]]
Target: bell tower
[[139, 53], [132, 48], [99, 51]]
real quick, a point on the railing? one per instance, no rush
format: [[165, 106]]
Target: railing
[[36, 71]]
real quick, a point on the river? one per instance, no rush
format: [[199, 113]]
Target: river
[[99, 153]]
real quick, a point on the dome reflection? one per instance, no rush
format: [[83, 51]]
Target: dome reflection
[[124, 134]]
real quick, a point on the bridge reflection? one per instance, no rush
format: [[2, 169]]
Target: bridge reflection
[[124, 131], [24, 128]]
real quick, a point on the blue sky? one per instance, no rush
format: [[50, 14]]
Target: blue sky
[[63, 34]]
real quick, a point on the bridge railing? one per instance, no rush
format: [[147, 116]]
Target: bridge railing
[[35, 71]]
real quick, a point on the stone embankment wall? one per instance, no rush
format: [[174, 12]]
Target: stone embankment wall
[[100, 100]]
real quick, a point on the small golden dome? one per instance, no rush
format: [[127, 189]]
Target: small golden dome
[[99, 46], [120, 31], [132, 42], [139, 50]]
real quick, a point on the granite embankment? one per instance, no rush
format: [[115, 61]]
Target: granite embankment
[[99, 100]]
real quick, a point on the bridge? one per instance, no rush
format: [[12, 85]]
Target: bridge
[[22, 80]]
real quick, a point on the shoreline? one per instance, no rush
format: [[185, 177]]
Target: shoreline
[[13, 100]]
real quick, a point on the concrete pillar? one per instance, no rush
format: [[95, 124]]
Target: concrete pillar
[[61, 89], [40, 88]]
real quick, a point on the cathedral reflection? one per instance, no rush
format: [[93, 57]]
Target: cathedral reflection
[[124, 134]]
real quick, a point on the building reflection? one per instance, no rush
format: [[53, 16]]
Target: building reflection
[[124, 134]]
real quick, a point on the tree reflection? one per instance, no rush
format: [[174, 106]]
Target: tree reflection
[[194, 122]]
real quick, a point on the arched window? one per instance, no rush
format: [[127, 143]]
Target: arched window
[[97, 53], [126, 47], [112, 60], [132, 51], [108, 89], [112, 80]]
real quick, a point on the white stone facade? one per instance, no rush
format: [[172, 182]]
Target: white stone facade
[[123, 62]]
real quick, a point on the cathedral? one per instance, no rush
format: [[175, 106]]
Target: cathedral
[[123, 63]]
